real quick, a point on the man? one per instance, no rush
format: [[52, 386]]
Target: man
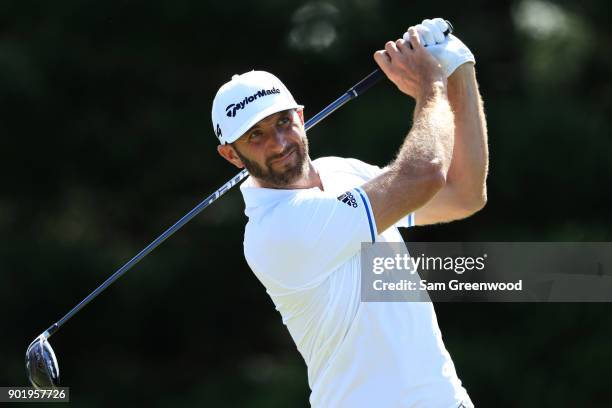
[[307, 220]]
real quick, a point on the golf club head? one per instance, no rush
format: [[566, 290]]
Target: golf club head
[[41, 364]]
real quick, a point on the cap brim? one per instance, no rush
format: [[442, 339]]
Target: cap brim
[[270, 110]]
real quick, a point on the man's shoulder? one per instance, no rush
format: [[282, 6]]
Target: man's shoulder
[[346, 165], [337, 161], [271, 221]]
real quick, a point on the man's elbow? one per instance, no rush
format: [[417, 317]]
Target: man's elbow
[[474, 203], [436, 179], [433, 180], [465, 205], [426, 178], [479, 203]]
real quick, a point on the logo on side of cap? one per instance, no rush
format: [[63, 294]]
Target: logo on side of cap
[[219, 133], [232, 108]]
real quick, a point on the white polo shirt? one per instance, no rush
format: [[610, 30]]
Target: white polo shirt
[[304, 246]]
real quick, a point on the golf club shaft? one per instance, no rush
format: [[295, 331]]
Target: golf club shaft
[[352, 93]]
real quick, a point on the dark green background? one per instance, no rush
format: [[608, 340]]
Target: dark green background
[[106, 141]]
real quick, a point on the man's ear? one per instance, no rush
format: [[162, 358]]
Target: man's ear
[[300, 113], [228, 153]]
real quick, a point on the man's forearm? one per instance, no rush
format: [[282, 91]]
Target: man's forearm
[[468, 170]]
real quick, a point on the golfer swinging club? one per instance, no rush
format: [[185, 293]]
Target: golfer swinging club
[[308, 218]]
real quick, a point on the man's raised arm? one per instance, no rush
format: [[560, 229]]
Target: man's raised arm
[[422, 164], [465, 191]]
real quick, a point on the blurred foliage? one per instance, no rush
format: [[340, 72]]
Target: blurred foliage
[[106, 141]]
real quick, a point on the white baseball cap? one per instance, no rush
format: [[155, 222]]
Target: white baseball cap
[[245, 100]]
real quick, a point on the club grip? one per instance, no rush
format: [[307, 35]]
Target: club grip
[[366, 83], [450, 28]]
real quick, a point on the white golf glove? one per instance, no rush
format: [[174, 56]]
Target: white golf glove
[[450, 51]]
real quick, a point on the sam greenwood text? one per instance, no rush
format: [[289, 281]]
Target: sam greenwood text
[[454, 285]]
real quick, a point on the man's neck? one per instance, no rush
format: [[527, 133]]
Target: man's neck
[[309, 179]]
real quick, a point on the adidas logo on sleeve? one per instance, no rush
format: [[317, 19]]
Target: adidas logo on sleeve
[[349, 199]]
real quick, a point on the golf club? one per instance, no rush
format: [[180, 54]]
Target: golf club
[[41, 364]]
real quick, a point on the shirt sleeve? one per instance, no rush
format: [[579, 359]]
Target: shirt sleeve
[[309, 236], [370, 171], [407, 221]]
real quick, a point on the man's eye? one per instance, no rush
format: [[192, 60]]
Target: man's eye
[[254, 136], [283, 120]]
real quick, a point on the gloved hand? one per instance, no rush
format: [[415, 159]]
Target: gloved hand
[[450, 51]]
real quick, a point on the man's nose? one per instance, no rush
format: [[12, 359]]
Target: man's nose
[[278, 142]]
